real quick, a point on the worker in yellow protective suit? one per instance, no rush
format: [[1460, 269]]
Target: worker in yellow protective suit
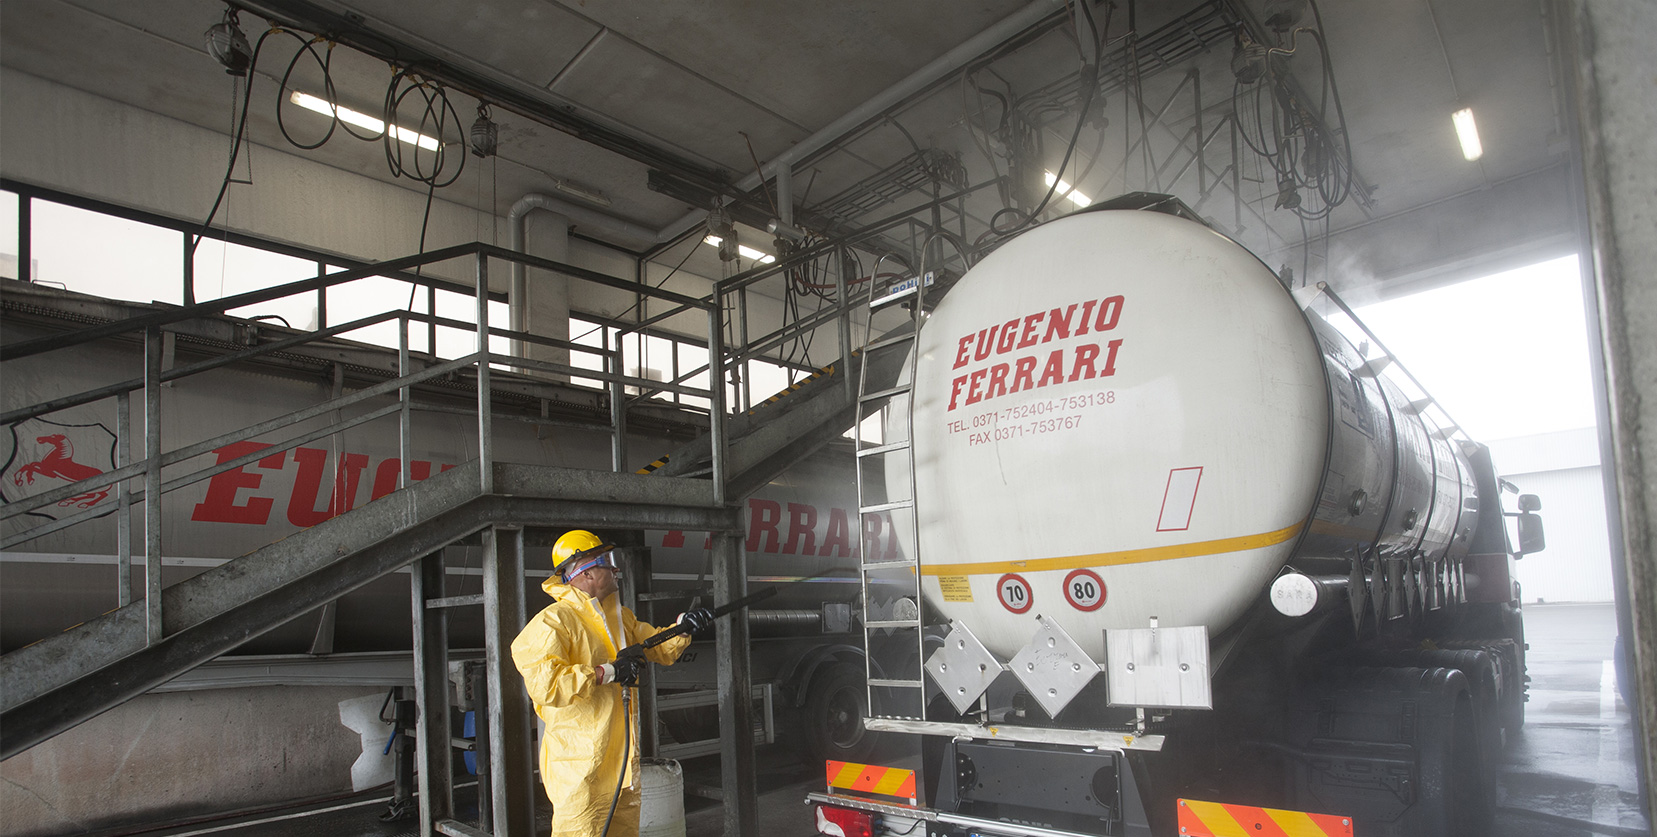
[[567, 655]]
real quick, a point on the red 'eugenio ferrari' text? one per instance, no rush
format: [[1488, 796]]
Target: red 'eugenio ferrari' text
[[1074, 361]]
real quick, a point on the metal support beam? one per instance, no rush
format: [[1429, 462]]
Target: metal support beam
[[617, 365], [123, 499], [431, 692], [486, 438], [404, 401], [736, 714], [843, 331], [716, 396], [643, 600], [511, 765], [152, 483]]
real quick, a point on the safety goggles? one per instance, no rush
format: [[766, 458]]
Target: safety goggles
[[602, 555]]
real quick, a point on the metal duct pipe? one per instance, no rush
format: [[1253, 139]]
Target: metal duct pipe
[[784, 621], [578, 215], [938, 68], [785, 196]]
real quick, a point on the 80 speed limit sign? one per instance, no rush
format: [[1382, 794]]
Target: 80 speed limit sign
[[1014, 593], [1084, 590]]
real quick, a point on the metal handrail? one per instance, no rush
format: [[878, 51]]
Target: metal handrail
[[153, 459], [1454, 427], [197, 476], [188, 452], [178, 372], [13, 351]]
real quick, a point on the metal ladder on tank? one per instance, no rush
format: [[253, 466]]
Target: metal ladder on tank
[[891, 588]]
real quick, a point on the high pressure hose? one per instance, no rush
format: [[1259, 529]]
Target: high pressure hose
[[627, 695], [626, 751]]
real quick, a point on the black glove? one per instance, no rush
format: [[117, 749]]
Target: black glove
[[628, 670], [695, 621]]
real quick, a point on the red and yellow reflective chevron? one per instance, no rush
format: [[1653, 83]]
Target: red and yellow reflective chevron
[[1219, 819], [872, 779]]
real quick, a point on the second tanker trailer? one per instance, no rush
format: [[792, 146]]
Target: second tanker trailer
[[1185, 557]]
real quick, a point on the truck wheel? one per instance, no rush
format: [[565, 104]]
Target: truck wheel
[[1454, 796], [832, 722], [1513, 709]]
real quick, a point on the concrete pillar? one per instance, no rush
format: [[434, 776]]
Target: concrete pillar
[[1611, 72]]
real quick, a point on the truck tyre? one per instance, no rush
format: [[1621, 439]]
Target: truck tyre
[[1513, 708], [1453, 796], [832, 720]]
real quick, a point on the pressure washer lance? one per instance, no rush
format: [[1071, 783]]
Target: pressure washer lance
[[637, 650]]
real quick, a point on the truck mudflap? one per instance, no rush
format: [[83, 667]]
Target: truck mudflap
[[1196, 819], [887, 819], [1221, 819], [882, 784], [989, 789]]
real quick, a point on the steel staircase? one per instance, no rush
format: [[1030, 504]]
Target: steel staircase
[[68, 678], [65, 679], [787, 427]]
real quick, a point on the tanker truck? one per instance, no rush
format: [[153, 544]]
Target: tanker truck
[[1186, 553]]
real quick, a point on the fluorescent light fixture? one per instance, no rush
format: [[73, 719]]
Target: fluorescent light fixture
[[1468, 133], [1068, 191], [743, 250], [361, 120]]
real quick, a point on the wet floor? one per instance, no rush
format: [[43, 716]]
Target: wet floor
[[1571, 773]]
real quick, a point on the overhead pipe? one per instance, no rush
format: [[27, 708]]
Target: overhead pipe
[[962, 55], [782, 164], [580, 216]]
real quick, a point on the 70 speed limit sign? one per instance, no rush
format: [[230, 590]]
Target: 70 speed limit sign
[[1014, 593]]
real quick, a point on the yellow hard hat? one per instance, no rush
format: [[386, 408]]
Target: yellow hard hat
[[571, 542], [579, 547]]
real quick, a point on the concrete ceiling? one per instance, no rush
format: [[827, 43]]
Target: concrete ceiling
[[695, 83]]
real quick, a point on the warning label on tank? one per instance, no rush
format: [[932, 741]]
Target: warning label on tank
[[955, 588]]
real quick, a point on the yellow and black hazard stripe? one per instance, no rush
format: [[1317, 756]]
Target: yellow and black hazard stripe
[[654, 465], [872, 780], [827, 370], [1220, 819]]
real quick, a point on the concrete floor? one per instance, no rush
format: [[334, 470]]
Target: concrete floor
[[1570, 774], [1575, 758]]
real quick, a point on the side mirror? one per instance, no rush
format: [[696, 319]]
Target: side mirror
[[1530, 503], [1531, 537]]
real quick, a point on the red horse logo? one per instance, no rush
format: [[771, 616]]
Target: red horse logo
[[61, 464]]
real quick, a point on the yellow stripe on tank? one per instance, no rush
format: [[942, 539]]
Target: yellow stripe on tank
[[1128, 556]]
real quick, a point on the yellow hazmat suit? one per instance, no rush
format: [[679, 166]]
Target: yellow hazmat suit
[[581, 753]]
